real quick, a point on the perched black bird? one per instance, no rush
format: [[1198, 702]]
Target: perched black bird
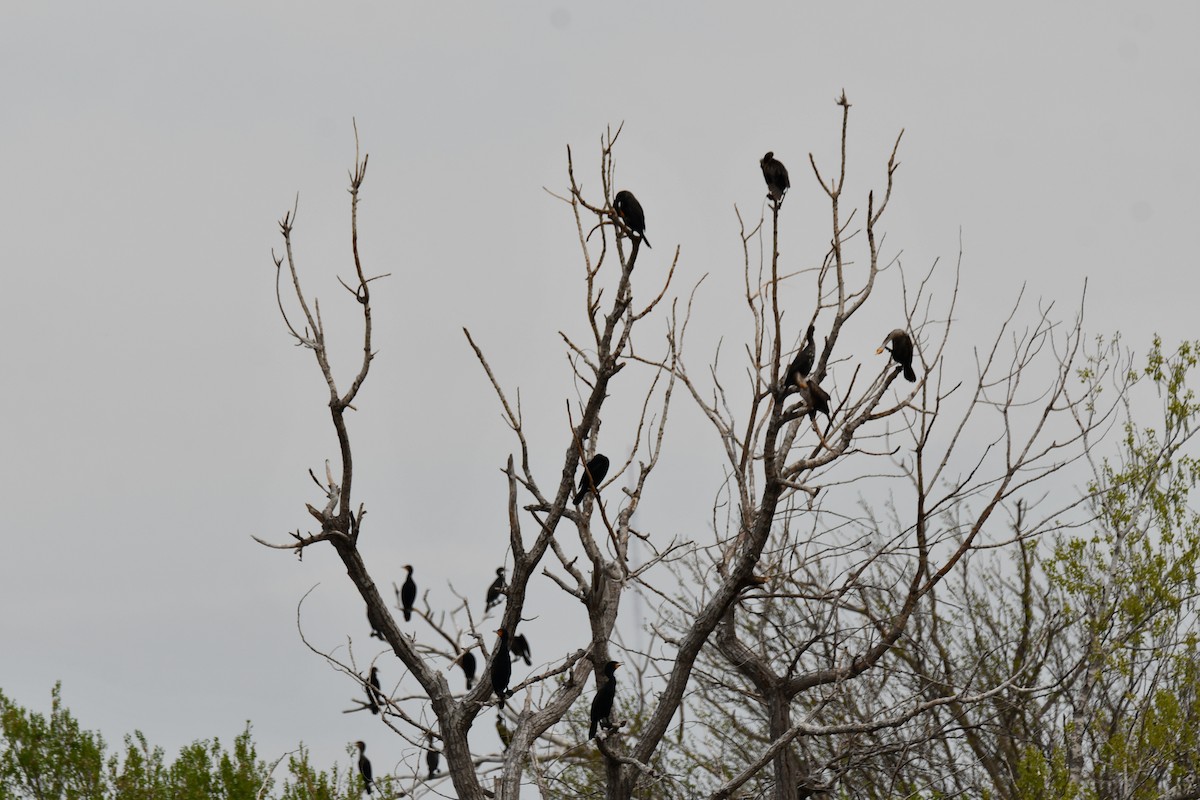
[[364, 766], [501, 667], [775, 174], [603, 702], [374, 693], [520, 648], [815, 397], [374, 623], [432, 757], [503, 732], [496, 589], [630, 212], [803, 362], [592, 476], [468, 668], [901, 350], [408, 594]]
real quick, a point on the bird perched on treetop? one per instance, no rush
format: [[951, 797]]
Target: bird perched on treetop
[[364, 766], [815, 397], [408, 594], [374, 692], [432, 757], [902, 351], [468, 668], [803, 363], [496, 588], [501, 667], [503, 732], [603, 702], [592, 475], [630, 212], [776, 176], [520, 649]]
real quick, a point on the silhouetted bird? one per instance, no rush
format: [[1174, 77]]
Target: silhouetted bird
[[374, 694], [496, 589], [375, 624], [902, 351], [593, 475], [408, 594], [432, 757], [603, 702], [816, 398], [501, 667], [630, 212], [802, 364], [503, 732], [775, 174], [520, 648], [468, 668], [364, 766]]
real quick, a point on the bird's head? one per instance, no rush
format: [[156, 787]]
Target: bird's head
[[501, 632], [500, 572], [409, 568], [770, 155], [361, 745]]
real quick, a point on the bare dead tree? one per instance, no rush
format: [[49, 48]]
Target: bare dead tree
[[808, 607]]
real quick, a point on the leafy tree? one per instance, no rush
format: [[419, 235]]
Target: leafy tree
[[53, 758]]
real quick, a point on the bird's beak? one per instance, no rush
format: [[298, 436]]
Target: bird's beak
[[880, 350], [617, 665]]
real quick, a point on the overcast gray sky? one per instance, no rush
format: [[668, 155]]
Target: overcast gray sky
[[154, 414]]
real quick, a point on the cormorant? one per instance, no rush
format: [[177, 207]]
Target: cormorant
[[408, 594], [374, 623], [630, 212], [502, 730], [776, 176], [468, 668], [501, 667], [901, 350], [520, 648], [374, 693], [592, 476], [432, 757], [494, 591], [364, 766], [603, 702], [803, 363], [816, 398]]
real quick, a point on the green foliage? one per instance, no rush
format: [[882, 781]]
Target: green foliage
[[52, 758]]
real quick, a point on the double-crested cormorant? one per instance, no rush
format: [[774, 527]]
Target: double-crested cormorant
[[775, 174], [374, 623], [364, 766], [501, 667], [901, 348], [374, 692], [408, 594], [802, 364], [503, 732], [630, 211], [432, 758], [815, 397], [468, 668], [520, 648], [592, 475], [496, 589], [603, 702]]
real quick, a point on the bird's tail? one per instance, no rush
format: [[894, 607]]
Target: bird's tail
[[592, 730], [909, 375], [646, 241], [407, 614], [579, 496]]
